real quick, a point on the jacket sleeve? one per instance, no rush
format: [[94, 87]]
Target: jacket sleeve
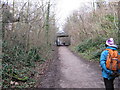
[[103, 59], [119, 69]]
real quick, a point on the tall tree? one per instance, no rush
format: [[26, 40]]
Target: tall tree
[[47, 22]]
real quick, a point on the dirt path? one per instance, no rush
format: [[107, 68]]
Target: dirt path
[[76, 73], [70, 71]]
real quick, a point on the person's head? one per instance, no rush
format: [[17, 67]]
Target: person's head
[[110, 42]]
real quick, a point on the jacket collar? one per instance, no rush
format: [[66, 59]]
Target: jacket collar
[[113, 48]]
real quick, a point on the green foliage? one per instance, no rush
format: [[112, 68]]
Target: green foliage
[[82, 47], [91, 48], [23, 44], [106, 26], [96, 54], [109, 18], [33, 54], [87, 44], [18, 63], [109, 22]]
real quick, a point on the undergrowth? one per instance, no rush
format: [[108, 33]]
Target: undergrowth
[[91, 48], [18, 65]]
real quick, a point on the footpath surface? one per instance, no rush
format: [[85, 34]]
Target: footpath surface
[[70, 71], [76, 73]]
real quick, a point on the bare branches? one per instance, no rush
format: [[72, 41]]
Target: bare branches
[[100, 21], [36, 26]]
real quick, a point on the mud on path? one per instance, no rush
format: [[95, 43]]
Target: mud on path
[[71, 71]]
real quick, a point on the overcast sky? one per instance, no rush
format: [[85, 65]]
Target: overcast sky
[[66, 7]]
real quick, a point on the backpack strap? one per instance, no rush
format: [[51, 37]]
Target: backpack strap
[[108, 49], [111, 51]]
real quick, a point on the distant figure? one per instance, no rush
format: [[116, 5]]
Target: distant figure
[[107, 59]]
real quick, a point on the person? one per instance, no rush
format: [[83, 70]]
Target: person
[[106, 73]]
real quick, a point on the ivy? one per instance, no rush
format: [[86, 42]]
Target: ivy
[[18, 63]]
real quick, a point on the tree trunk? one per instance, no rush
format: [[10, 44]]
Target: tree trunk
[[83, 23], [47, 22], [29, 27]]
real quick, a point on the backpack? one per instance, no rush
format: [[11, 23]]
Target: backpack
[[113, 60]]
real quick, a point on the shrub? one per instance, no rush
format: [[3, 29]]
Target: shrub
[[109, 18], [92, 48], [87, 44], [17, 63]]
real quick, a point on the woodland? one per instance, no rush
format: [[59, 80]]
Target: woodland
[[89, 29], [28, 36]]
